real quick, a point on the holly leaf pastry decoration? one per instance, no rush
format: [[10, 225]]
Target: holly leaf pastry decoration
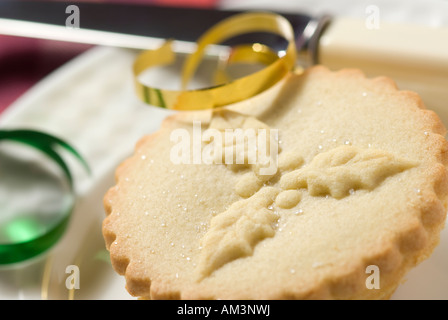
[[344, 169]]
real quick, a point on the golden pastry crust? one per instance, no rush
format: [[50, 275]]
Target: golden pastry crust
[[361, 182]]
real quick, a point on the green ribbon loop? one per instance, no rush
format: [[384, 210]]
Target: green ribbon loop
[[17, 251]]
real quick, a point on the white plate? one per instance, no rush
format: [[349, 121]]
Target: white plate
[[90, 102]]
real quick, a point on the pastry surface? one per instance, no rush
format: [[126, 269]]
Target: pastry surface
[[349, 174]]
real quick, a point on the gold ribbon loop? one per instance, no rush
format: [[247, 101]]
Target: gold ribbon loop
[[255, 53], [230, 92]]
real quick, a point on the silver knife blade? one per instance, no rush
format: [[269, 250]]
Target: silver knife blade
[[142, 26]]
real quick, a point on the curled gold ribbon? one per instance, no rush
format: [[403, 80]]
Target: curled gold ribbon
[[255, 53], [231, 91]]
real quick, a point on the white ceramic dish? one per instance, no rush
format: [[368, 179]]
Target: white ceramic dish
[[90, 102]]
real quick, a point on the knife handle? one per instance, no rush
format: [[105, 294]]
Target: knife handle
[[415, 56]]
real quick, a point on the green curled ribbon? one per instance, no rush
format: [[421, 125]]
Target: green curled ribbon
[[19, 250]]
